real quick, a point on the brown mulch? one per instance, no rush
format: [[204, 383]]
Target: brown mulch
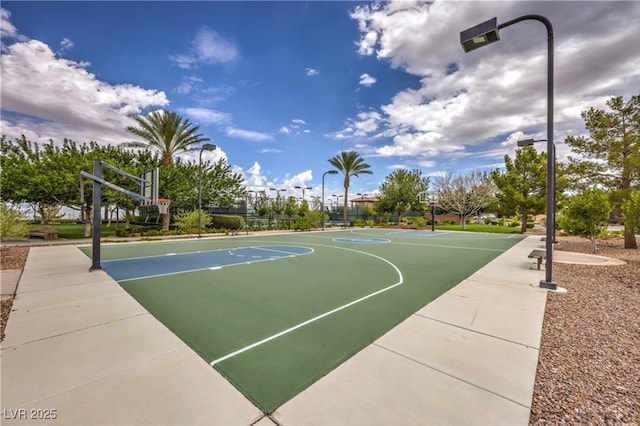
[[589, 361]]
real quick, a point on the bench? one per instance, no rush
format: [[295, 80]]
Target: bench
[[46, 233], [539, 255]]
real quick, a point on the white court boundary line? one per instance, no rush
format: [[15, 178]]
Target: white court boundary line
[[314, 319], [215, 268]]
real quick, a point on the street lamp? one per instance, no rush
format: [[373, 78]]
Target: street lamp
[[247, 210], [328, 172], [276, 206], [205, 147], [486, 33], [303, 188]]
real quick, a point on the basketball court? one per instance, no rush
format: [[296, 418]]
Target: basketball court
[[274, 313]]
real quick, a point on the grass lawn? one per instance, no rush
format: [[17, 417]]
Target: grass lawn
[[479, 227], [74, 231]]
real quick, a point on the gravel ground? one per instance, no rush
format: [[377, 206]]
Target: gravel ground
[[589, 363]]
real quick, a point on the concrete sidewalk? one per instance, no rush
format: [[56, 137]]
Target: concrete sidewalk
[[78, 344]]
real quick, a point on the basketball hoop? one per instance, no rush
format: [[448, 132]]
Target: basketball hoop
[[163, 205]]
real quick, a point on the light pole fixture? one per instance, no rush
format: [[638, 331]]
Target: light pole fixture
[[328, 172], [205, 147], [303, 189], [486, 33]]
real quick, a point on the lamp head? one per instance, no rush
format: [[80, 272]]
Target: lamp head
[[209, 147], [482, 34], [525, 142]]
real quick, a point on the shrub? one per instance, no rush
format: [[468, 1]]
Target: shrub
[[12, 224], [530, 225], [302, 224], [188, 221], [227, 221]]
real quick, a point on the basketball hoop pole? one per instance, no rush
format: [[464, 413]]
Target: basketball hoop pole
[[96, 177], [97, 220]]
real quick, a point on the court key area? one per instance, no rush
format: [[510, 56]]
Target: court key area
[[274, 313]]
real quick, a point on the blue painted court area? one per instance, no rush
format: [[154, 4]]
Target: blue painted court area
[[175, 263]]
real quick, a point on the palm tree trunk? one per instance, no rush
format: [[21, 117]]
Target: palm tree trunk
[[344, 213]]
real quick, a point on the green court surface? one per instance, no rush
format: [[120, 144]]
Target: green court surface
[[274, 313]]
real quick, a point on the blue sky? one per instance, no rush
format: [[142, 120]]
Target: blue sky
[[281, 87]]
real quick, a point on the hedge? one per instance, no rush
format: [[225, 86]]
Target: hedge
[[227, 221]]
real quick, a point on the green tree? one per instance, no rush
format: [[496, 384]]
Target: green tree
[[167, 133], [351, 165], [631, 209], [221, 186], [521, 188], [464, 195], [610, 156], [401, 192], [586, 215], [290, 208]]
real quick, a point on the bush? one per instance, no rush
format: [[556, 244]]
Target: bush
[[302, 224], [514, 223], [227, 221], [188, 221], [530, 225], [12, 224]]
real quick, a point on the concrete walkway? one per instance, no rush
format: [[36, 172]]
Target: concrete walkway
[[78, 344]]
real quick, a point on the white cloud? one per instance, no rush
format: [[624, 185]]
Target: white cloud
[[247, 134], [65, 44], [208, 116], [254, 179], [59, 98], [285, 130], [367, 80], [270, 151], [298, 121], [467, 99], [300, 179], [7, 29], [311, 72], [207, 47]]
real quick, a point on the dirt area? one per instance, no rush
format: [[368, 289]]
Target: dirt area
[[589, 363]]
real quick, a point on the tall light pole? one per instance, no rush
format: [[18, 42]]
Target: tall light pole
[[247, 210], [486, 33], [303, 188], [328, 172], [276, 203], [205, 147]]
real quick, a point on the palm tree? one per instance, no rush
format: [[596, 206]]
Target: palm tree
[[350, 164], [165, 132], [168, 134]]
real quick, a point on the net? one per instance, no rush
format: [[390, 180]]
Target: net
[[163, 205]]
